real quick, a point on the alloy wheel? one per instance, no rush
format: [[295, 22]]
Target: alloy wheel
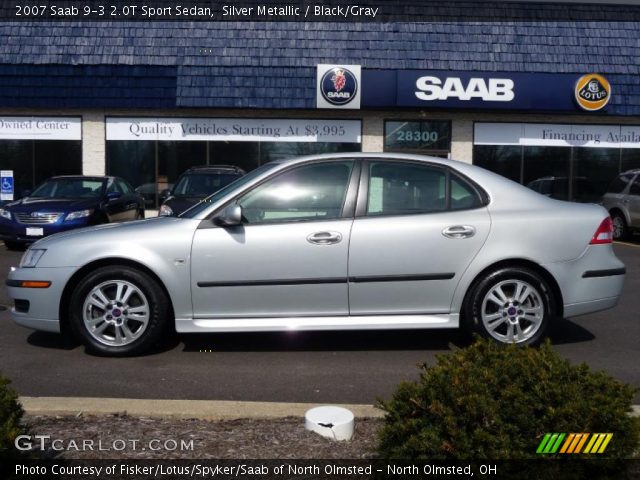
[[512, 311], [116, 312]]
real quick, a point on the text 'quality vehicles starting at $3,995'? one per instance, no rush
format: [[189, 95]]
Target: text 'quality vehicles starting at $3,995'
[[331, 242]]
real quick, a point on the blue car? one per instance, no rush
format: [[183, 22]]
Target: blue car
[[64, 203]]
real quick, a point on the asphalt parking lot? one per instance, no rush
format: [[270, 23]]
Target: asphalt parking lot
[[340, 367]]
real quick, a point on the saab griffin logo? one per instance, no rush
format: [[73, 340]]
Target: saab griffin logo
[[553, 443], [338, 86], [592, 92]]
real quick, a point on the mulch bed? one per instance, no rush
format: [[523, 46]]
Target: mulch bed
[[232, 439]]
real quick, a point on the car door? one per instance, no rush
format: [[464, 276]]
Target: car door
[[115, 201], [129, 200], [417, 228], [633, 202], [289, 256]]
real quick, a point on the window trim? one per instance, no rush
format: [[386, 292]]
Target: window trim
[[363, 192], [348, 206]]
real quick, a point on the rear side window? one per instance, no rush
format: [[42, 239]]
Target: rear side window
[[397, 188], [635, 187], [619, 184]]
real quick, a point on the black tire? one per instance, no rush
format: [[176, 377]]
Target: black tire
[[620, 227], [159, 311], [14, 246], [542, 302]]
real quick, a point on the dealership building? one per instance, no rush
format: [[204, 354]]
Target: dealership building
[[550, 103]]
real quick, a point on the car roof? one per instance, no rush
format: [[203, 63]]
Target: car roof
[[81, 177], [214, 169]]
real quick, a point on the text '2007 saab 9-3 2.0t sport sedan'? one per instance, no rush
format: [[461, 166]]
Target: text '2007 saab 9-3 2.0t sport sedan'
[[332, 242]]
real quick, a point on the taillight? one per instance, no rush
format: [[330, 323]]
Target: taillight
[[604, 233]]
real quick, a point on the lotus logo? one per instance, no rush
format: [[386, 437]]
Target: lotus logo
[[338, 86], [592, 92]]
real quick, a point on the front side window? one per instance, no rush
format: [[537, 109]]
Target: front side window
[[311, 192]]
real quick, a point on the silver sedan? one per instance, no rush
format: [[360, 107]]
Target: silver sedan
[[332, 242]]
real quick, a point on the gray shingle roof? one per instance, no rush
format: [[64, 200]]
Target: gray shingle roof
[[248, 64]]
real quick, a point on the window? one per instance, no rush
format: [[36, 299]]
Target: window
[[619, 184], [635, 187], [124, 187], [403, 188], [312, 192], [430, 137], [503, 159], [546, 170]]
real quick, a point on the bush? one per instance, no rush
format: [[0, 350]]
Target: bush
[[10, 417], [490, 401]]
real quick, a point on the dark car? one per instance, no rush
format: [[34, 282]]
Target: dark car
[[196, 184], [63, 203]]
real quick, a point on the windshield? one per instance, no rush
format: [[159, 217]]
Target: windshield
[[69, 188], [202, 184], [203, 204]]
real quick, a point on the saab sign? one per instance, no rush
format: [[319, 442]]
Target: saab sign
[[490, 90], [479, 90]]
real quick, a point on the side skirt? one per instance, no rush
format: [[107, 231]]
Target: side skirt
[[276, 324]]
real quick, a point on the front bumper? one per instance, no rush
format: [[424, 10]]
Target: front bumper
[[17, 232], [43, 311]]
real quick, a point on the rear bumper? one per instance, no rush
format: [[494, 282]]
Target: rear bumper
[[591, 283]]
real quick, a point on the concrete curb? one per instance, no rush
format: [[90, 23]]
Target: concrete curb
[[201, 409]]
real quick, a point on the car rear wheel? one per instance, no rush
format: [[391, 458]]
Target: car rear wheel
[[620, 229], [510, 305], [119, 311]]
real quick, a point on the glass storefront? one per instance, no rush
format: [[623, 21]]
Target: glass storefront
[[567, 162], [152, 153], [37, 148]]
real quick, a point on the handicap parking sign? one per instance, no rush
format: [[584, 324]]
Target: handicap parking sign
[[6, 184]]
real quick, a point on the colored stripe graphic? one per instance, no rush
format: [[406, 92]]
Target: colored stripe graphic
[[574, 443], [550, 443]]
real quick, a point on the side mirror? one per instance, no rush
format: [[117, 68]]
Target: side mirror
[[231, 216], [164, 194], [113, 195]]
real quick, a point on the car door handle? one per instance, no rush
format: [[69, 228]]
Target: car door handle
[[459, 231], [324, 238]]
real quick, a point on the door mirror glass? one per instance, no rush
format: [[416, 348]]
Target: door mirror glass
[[229, 217], [113, 195]]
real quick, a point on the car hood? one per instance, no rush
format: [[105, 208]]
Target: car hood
[[29, 204], [160, 237]]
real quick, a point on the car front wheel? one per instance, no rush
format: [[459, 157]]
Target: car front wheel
[[118, 311], [510, 305]]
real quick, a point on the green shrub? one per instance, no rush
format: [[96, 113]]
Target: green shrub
[[10, 419], [490, 401]]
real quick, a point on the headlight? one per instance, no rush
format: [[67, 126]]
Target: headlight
[[78, 214], [5, 214], [165, 211], [31, 257]]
